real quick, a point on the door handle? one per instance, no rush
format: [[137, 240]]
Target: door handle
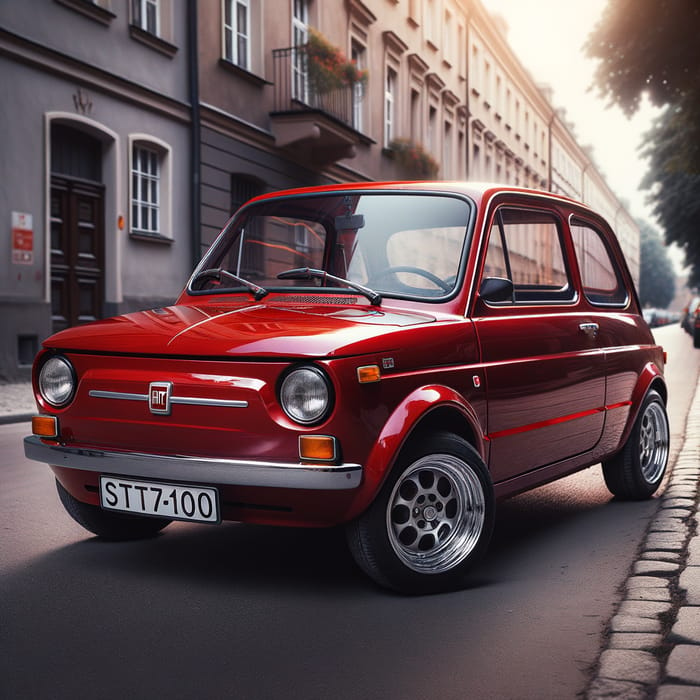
[[590, 329]]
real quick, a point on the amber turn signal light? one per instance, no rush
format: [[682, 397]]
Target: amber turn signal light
[[45, 426], [317, 448], [368, 374]]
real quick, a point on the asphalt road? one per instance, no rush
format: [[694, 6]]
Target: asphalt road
[[246, 612]]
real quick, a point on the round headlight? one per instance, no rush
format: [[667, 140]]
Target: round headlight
[[57, 381], [305, 395]]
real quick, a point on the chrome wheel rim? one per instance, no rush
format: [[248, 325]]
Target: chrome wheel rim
[[436, 513], [653, 442]]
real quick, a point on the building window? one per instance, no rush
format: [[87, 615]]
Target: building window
[[147, 16], [357, 54], [389, 106], [447, 150], [300, 36], [429, 23], [237, 32], [432, 130], [145, 190], [447, 38], [300, 22]]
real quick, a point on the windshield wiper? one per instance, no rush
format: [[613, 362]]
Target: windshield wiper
[[219, 273], [307, 273]]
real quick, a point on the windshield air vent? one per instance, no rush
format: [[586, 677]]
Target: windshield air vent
[[317, 299]]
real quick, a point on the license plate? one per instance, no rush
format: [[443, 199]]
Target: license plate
[[174, 501]]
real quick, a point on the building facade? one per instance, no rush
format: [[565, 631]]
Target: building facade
[[134, 128], [95, 202]]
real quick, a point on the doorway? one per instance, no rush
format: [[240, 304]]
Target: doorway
[[77, 228]]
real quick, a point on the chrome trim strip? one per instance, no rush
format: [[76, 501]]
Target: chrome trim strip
[[190, 401], [96, 394], [197, 470]]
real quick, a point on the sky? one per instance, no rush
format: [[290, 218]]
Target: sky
[[547, 36]]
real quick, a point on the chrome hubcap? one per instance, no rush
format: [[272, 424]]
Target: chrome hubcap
[[653, 442], [436, 513]]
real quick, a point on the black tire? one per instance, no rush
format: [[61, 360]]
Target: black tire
[[432, 520], [108, 525], [638, 469], [696, 337]]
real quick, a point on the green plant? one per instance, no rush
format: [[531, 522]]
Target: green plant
[[414, 159], [328, 68]]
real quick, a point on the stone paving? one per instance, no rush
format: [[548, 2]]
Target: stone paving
[[653, 646]]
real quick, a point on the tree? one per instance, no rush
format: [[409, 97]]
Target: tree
[[653, 47], [675, 194], [650, 47], [657, 281]]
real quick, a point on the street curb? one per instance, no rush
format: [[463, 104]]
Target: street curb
[[652, 651], [16, 418]]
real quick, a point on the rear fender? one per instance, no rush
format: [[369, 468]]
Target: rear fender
[[651, 377]]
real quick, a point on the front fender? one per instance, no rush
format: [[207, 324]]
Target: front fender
[[406, 418]]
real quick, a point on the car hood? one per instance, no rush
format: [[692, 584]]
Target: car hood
[[250, 330]]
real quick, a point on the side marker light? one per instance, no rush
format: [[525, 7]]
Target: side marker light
[[45, 426], [317, 448], [368, 374]]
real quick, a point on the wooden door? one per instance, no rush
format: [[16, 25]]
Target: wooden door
[[77, 252]]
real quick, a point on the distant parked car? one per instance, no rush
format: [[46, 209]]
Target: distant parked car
[[392, 358], [690, 320]]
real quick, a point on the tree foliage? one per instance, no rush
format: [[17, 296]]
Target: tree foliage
[[653, 47], [657, 281], [647, 46], [675, 193]]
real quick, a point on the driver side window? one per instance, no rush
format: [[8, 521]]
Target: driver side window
[[525, 247]]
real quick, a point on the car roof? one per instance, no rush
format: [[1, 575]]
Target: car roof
[[478, 191]]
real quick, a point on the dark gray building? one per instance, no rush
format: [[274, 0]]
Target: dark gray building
[[95, 207]]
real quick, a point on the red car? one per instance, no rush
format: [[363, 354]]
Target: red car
[[393, 358]]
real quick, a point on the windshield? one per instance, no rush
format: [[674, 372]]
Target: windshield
[[401, 245]]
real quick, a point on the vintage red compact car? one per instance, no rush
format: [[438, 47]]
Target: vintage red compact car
[[394, 358]]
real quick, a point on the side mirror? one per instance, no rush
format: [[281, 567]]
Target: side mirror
[[495, 289]]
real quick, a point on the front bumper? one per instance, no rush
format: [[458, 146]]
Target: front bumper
[[199, 470]]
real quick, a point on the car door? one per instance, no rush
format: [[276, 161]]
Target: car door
[[607, 287], [544, 372]]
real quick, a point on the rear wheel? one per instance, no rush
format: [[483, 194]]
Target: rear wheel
[[432, 520], [637, 470], [108, 525], [696, 337]]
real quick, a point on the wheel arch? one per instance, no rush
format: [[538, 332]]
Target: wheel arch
[[427, 409], [650, 379]]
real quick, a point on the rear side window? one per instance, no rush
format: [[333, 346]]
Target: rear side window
[[525, 247], [600, 275]]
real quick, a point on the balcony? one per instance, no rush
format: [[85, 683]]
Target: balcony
[[313, 110]]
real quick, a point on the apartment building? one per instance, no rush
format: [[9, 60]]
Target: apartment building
[[95, 200], [134, 128]]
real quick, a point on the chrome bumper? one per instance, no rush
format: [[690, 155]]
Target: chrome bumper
[[197, 470]]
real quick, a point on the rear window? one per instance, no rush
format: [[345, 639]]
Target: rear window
[[600, 275]]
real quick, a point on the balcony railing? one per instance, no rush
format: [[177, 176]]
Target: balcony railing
[[300, 85]]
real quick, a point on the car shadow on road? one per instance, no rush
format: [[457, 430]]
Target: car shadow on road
[[242, 558]]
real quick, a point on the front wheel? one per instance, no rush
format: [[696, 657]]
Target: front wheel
[[108, 525], [431, 521], [637, 470]]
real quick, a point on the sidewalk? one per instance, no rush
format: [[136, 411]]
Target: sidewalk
[[652, 647], [16, 402]]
